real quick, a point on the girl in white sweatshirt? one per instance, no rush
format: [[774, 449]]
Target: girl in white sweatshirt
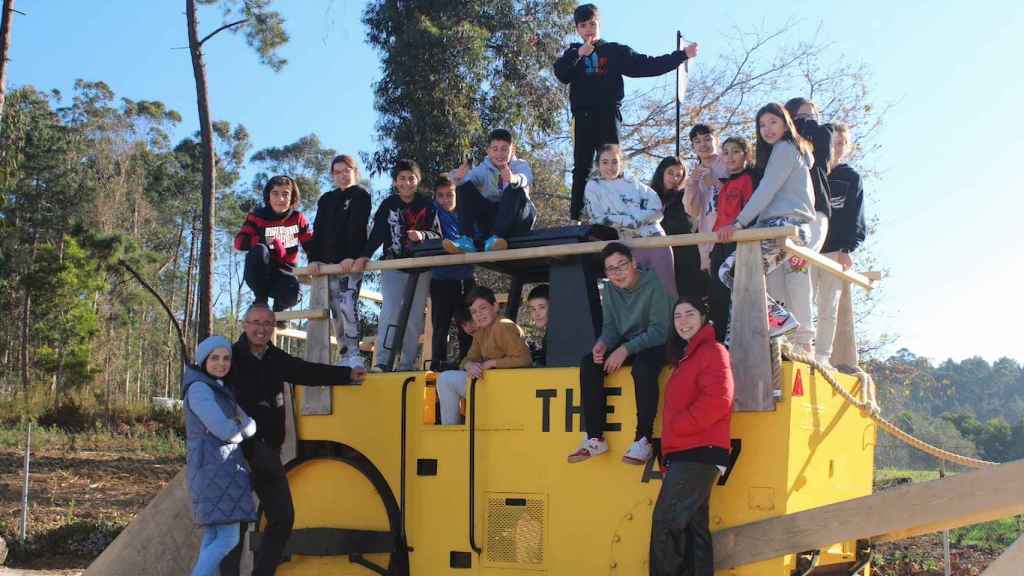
[[615, 199]]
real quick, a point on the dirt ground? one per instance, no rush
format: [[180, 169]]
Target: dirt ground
[[81, 488]]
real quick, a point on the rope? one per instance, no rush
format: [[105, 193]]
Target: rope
[[869, 407]]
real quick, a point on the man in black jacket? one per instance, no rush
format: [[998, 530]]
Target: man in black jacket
[[258, 373], [593, 70]]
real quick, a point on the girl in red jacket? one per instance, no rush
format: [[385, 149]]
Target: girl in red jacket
[[694, 443]]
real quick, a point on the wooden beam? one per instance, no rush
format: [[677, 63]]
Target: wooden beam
[[1009, 562], [751, 357], [371, 295], [316, 400], [844, 348], [828, 265], [873, 275], [298, 334], [896, 513], [311, 314], [558, 251]]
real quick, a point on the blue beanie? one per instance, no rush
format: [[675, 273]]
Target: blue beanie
[[208, 345]]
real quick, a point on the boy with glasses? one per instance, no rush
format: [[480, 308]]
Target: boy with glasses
[[636, 310]]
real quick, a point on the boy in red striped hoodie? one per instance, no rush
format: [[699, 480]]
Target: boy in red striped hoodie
[[271, 234]]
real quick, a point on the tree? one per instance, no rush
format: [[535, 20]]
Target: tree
[[5, 46], [264, 32], [305, 160], [454, 70]]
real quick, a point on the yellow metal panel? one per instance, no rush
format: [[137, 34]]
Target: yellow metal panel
[[810, 451]]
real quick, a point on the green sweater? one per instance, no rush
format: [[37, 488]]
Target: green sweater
[[639, 317]]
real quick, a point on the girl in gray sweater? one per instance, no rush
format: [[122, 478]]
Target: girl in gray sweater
[[784, 197]]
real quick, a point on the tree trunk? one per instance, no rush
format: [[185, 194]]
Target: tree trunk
[[5, 48], [170, 303], [189, 285], [208, 190]]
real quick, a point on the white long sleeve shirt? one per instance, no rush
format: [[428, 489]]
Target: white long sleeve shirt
[[626, 204]]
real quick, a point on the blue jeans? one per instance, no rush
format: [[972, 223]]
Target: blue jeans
[[218, 540]]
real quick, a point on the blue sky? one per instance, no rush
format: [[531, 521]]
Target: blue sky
[[949, 193]]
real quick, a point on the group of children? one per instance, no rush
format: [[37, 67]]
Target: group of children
[[787, 178], [794, 175]]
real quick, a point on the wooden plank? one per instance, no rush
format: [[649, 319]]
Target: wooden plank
[[558, 251], [311, 314], [142, 547], [298, 334], [844, 347], [828, 265], [1009, 562], [316, 400], [954, 501], [426, 339], [873, 275], [751, 358], [371, 295]]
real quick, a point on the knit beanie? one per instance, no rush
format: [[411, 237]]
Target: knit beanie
[[207, 346]]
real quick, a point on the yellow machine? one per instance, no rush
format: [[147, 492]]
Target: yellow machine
[[523, 509], [380, 487]]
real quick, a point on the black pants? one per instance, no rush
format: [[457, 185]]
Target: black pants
[[446, 296], [268, 281], [647, 364], [591, 131], [690, 279], [719, 295], [271, 485], [680, 539], [481, 218]]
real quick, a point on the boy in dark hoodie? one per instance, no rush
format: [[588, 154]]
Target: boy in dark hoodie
[[271, 234], [594, 70], [402, 219], [449, 285]]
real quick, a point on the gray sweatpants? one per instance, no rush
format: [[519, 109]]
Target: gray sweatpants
[[343, 295], [393, 289]]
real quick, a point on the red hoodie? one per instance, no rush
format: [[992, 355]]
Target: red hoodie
[[734, 194], [698, 397]]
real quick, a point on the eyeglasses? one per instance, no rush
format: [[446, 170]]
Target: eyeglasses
[[263, 324], [618, 268]]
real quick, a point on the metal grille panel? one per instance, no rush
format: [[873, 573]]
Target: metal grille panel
[[515, 530]]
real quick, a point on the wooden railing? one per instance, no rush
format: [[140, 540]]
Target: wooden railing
[[751, 362]]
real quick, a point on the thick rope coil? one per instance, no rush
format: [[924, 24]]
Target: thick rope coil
[[869, 407]]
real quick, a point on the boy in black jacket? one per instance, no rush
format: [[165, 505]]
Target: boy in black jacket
[[339, 236], [402, 219], [593, 70]]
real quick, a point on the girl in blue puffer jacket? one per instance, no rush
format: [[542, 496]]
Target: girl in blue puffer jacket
[[218, 476]]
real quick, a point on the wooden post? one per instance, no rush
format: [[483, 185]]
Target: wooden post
[[316, 400], [428, 336], [844, 348], [751, 358], [1009, 563]]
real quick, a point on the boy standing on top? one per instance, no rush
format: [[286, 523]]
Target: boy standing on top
[[493, 198], [593, 70]]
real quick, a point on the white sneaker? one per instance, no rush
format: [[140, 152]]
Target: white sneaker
[[351, 361], [639, 453], [591, 447]]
